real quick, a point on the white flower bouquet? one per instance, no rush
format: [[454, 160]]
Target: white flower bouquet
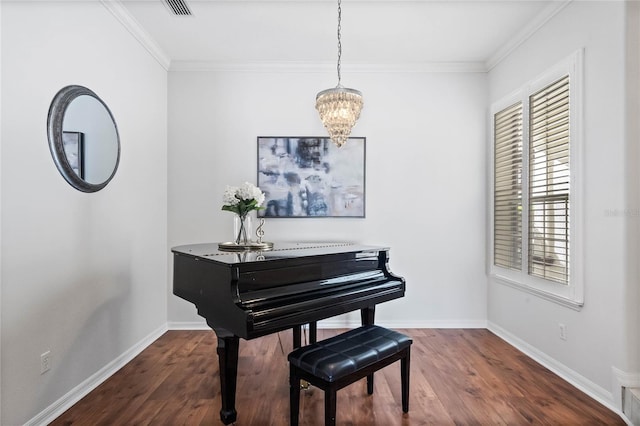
[[242, 200]]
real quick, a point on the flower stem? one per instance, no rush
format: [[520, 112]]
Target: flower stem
[[242, 232]]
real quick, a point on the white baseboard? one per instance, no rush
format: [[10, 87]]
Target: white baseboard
[[355, 322], [76, 394], [344, 322], [595, 391], [188, 325]]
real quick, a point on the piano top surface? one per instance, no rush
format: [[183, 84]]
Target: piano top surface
[[281, 250]]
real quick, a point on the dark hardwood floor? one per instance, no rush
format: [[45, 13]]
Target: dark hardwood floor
[[458, 377]]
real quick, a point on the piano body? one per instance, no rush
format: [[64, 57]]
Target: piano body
[[252, 294]]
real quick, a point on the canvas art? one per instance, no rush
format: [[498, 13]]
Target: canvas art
[[311, 177]]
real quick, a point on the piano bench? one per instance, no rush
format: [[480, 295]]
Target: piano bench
[[337, 362]]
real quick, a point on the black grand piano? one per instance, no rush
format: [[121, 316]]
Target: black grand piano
[[251, 294]]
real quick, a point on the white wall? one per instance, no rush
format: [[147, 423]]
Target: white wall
[[83, 275], [0, 213], [632, 172], [425, 191], [597, 333]]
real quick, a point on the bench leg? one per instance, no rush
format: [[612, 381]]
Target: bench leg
[[330, 407], [370, 384], [405, 364], [294, 397]]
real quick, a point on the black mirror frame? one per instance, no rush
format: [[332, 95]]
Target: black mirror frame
[[55, 121]]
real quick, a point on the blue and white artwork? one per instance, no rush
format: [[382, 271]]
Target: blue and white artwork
[[311, 177]]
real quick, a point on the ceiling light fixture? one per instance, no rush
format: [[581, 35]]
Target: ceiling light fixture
[[339, 107]]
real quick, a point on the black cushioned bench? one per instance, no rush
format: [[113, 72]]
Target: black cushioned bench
[[337, 362]]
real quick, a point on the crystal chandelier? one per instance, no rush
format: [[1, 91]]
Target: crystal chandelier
[[339, 107]]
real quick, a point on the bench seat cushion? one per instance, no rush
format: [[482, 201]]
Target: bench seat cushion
[[338, 356]]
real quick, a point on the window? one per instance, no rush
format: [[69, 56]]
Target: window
[[507, 180], [549, 187], [535, 162]]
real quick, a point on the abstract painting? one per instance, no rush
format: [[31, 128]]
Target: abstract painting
[[311, 177]]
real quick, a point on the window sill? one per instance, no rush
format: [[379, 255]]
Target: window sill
[[552, 297]]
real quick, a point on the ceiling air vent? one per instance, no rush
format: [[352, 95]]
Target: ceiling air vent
[[178, 7]]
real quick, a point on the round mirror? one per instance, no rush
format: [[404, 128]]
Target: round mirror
[[83, 138]]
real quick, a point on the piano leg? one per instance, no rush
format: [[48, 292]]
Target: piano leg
[[313, 332], [297, 339], [368, 316], [297, 334], [228, 359]]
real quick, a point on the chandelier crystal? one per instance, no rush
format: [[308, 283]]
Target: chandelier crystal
[[339, 107]]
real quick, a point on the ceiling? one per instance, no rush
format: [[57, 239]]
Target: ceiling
[[383, 32]]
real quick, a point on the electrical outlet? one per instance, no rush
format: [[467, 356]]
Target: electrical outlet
[[45, 362], [563, 331]]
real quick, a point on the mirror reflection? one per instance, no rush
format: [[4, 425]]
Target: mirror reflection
[[83, 138], [88, 125]]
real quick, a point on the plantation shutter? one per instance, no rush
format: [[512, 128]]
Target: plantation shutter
[[549, 182], [507, 202]]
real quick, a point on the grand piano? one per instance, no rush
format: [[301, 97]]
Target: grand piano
[[254, 293]]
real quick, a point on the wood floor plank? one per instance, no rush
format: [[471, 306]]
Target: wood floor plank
[[458, 377]]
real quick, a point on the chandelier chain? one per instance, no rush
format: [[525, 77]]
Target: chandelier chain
[[339, 40]]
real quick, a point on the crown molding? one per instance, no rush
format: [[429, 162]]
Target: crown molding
[[133, 26], [140, 34], [309, 67], [526, 32]]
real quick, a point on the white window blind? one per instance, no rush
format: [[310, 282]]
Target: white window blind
[[549, 182], [507, 202], [536, 197]]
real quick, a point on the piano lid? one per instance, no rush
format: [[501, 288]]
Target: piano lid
[[281, 250]]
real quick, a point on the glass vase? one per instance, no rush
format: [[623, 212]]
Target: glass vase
[[242, 229]]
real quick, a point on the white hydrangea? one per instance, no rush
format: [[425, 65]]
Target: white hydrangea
[[248, 191], [229, 196]]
